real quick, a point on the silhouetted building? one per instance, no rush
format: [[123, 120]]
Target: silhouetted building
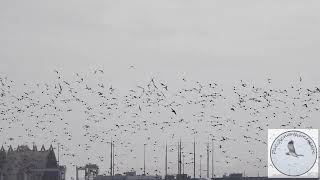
[[63, 171], [131, 173], [26, 164], [116, 177], [183, 177], [143, 177], [169, 177], [90, 171], [239, 176], [127, 177]]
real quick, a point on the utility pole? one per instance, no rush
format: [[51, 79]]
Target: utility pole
[[77, 173], [183, 163], [178, 177], [111, 157], [166, 159], [200, 164], [212, 163], [180, 158], [194, 159], [208, 160], [144, 159], [58, 153]]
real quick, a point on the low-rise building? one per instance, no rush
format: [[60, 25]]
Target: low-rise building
[[26, 164]]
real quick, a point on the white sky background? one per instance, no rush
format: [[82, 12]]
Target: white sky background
[[223, 41]]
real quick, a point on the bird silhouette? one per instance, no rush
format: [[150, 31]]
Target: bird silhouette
[[292, 151]]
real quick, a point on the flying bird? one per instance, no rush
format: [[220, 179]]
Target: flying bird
[[292, 151], [172, 110]]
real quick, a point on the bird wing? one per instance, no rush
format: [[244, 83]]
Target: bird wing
[[291, 148]]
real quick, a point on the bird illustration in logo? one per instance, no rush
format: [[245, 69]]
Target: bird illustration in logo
[[292, 151]]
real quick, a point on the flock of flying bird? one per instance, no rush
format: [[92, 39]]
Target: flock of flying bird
[[83, 115]]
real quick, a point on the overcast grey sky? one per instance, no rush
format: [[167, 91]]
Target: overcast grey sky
[[220, 40], [219, 37]]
